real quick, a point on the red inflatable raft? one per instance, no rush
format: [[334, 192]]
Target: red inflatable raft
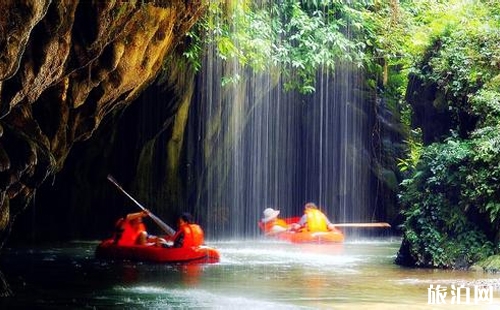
[[304, 236], [202, 254]]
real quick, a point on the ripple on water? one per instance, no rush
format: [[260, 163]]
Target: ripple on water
[[279, 254], [164, 298]]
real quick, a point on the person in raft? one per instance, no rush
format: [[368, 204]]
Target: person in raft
[[271, 224], [130, 230], [313, 220], [188, 233]]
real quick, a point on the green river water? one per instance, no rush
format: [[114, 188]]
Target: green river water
[[252, 274]]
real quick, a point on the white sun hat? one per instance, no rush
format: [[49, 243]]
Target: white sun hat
[[270, 214]]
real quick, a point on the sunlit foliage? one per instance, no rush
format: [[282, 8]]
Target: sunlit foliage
[[439, 224], [451, 200], [296, 38]]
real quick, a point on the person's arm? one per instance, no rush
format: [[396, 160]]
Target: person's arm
[[276, 229], [179, 240], [329, 224], [301, 223], [136, 215]]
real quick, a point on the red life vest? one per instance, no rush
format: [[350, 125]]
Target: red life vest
[[193, 235], [130, 232]]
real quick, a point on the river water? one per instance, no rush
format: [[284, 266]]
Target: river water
[[252, 274]]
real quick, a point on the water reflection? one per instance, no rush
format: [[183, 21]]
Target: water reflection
[[251, 275]]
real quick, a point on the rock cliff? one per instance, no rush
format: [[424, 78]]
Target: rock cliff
[[65, 66]]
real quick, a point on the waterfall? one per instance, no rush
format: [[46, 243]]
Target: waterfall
[[260, 146]]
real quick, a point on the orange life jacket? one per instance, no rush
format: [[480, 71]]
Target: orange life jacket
[[268, 226], [130, 233], [193, 235], [316, 220]]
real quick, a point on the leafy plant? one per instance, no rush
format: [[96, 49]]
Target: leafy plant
[[293, 38], [451, 199], [437, 225], [414, 147]]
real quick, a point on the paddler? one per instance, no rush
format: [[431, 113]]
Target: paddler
[[313, 220], [131, 230], [271, 223], [188, 233]]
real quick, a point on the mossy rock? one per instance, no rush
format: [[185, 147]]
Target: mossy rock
[[490, 264]]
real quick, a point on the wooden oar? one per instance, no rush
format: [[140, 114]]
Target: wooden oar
[[169, 230], [380, 224]]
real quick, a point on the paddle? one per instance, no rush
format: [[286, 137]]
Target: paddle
[[296, 219], [381, 224], [157, 220]]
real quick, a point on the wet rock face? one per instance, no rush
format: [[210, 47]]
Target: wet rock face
[[66, 65]]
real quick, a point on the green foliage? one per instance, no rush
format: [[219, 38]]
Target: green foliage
[[486, 105], [453, 189], [451, 198], [294, 38], [437, 225], [480, 189], [414, 146], [461, 56], [194, 52]]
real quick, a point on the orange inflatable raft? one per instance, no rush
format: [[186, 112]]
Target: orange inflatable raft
[[304, 236], [202, 254], [311, 237]]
